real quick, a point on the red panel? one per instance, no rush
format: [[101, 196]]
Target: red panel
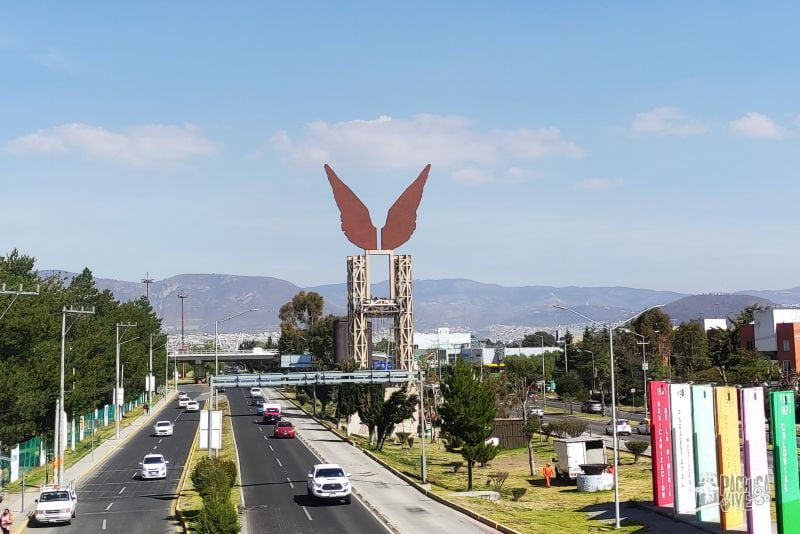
[[661, 443]]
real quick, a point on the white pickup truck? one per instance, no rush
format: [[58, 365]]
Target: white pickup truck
[[56, 505]]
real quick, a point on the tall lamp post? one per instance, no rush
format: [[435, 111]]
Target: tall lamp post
[[60, 444], [544, 374], [117, 403], [610, 329], [645, 365], [216, 367]]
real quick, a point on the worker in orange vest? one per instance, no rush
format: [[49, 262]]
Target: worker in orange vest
[[548, 473]]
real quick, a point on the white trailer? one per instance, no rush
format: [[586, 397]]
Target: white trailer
[[571, 453]]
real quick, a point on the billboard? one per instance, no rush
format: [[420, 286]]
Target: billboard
[[784, 461], [756, 471], [705, 454], [680, 408], [296, 361], [661, 443], [729, 467]]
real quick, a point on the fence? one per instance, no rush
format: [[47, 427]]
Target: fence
[[511, 433], [37, 450]]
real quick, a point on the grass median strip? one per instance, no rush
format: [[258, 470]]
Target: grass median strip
[[189, 501]]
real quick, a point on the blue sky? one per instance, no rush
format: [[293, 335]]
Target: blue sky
[[572, 143]]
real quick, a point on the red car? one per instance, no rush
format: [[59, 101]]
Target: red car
[[283, 429]]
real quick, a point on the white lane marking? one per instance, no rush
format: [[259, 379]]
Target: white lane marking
[[109, 506], [265, 438], [290, 482], [123, 489], [155, 447], [307, 514], [260, 429], [270, 448], [279, 461], [133, 476], [159, 441], [104, 523]]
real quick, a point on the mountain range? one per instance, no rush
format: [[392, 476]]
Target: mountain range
[[456, 303]]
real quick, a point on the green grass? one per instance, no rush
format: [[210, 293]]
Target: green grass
[[38, 475], [189, 501]]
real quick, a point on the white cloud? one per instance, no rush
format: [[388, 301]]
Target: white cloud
[[472, 176], [757, 126], [140, 145], [667, 121], [409, 143], [597, 184]]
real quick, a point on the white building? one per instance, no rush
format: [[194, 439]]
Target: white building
[[709, 324], [765, 323], [442, 339]]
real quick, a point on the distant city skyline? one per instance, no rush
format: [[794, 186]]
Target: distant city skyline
[[638, 145]]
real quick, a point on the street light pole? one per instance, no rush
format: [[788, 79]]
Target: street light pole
[[59, 442], [424, 468], [610, 329], [544, 374], [117, 403], [644, 366]]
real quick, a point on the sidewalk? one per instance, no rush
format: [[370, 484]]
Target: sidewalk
[[84, 466], [391, 498]]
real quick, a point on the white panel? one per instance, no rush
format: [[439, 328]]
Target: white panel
[[755, 461], [682, 447]]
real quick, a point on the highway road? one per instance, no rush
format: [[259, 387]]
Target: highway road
[[114, 500], [274, 482]]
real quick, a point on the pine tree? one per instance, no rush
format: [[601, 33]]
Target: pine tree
[[468, 412]]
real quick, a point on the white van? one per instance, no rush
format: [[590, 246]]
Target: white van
[[571, 453]]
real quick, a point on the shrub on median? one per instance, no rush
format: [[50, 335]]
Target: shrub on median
[[213, 479]]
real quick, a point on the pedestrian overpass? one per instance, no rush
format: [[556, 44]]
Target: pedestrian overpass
[[198, 356], [319, 378]]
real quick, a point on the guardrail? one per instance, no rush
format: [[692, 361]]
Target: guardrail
[[312, 378]]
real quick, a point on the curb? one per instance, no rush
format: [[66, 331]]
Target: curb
[[100, 461], [176, 511], [457, 507], [697, 526]]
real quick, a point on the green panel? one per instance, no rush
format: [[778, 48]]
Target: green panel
[[705, 454], [784, 459]]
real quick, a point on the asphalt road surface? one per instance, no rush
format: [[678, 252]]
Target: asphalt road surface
[[274, 481], [114, 499]]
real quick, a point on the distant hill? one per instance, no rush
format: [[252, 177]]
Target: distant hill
[[455, 303], [712, 306], [782, 297]]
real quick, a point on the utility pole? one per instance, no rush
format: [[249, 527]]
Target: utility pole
[[147, 281], [61, 446], [183, 296], [16, 293], [117, 400], [424, 466]]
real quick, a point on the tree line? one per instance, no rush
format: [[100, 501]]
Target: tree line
[[30, 348]]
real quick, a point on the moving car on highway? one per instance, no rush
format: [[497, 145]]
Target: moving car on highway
[[592, 406], [328, 481], [644, 426], [56, 505], [154, 466], [183, 398], [272, 413], [163, 428], [283, 429], [256, 395], [192, 406], [623, 427]]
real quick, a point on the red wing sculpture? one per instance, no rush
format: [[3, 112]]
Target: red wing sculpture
[[357, 224], [402, 218]]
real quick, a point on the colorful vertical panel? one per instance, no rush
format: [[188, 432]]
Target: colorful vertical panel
[[705, 454], [784, 461], [680, 408], [661, 443], [729, 466], [756, 470]]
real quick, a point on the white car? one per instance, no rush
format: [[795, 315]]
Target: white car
[[535, 410], [256, 395], [623, 427], [163, 428], [192, 406], [154, 466], [56, 505], [183, 400], [643, 427], [328, 481]]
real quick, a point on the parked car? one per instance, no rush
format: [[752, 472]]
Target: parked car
[[193, 406], [283, 429], [56, 505], [153, 466], [163, 428], [535, 410], [328, 481], [623, 427], [643, 427], [592, 406]]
